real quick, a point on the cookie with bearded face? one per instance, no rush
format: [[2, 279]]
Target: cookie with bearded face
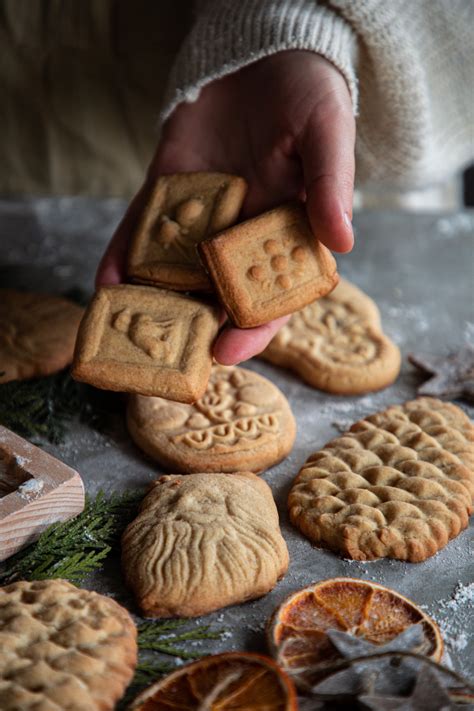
[[202, 542], [241, 422]]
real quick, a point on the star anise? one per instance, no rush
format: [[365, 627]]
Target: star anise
[[452, 374]]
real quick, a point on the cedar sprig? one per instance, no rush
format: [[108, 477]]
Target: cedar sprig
[[72, 549], [162, 637]]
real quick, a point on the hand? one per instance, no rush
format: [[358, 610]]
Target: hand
[[286, 125]]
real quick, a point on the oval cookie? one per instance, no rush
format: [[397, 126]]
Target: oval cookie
[[37, 334], [241, 422], [63, 648], [201, 542], [336, 344]]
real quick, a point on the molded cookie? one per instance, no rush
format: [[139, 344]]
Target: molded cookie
[[63, 648], [183, 209], [241, 422], [201, 542], [336, 344], [146, 340], [268, 266], [396, 485], [37, 334]]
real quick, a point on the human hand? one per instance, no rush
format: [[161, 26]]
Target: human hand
[[286, 125]]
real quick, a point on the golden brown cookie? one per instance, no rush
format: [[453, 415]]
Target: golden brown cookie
[[269, 266], [201, 542], [336, 344], [63, 648], [183, 209], [37, 334], [395, 485], [241, 422], [146, 340]]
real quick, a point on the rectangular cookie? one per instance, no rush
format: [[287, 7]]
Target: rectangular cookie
[[269, 266], [182, 210], [148, 341]]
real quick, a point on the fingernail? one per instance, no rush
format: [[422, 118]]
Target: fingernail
[[347, 221]]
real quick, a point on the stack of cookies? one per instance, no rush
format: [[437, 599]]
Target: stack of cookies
[[150, 337]]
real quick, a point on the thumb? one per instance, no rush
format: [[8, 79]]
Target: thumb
[[326, 147]]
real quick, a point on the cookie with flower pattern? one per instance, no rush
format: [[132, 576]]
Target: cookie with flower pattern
[[242, 421]]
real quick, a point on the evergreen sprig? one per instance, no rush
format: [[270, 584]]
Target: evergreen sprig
[[43, 407], [162, 637], [72, 549]]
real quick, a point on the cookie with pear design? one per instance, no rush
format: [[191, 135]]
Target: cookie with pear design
[[242, 421]]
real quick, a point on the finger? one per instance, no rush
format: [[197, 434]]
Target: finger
[[326, 147], [235, 345]]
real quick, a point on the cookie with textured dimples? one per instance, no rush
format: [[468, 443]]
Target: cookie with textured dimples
[[37, 334], [146, 340], [201, 542], [268, 266], [398, 484], [241, 422], [337, 344], [63, 648], [183, 209]]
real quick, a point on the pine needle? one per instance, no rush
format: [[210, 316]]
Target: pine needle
[[157, 636], [44, 407], [72, 549]]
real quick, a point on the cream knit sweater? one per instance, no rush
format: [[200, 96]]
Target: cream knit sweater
[[409, 65]]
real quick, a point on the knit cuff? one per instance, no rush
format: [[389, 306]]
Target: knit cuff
[[230, 34]]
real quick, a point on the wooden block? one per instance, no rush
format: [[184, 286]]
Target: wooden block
[[269, 266], [36, 490]]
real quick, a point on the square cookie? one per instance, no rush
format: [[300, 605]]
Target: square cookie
[[182, 210], [36, 490], [269, 266], [146, 340]]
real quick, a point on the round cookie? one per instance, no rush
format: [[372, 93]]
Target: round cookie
[[63, 648], [241, 422], [37, 334]]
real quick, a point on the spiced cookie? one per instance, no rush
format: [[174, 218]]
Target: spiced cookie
[[201, 542], [398, 484], [241, 422], [146, 340], [37, 334], [268, 266], [337, 344], [63, 648], [183, 209]]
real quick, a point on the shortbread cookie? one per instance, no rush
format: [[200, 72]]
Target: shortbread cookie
[[241, 422], [37, 334], [269, 266], [183, 209], [336, 344], [201, 542], [146, 340], [396, 485], [63, 648]]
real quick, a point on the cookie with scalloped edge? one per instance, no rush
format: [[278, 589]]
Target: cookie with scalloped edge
[[243, 421], [398, 484], [202, 542], [63, 648], [336, 344]]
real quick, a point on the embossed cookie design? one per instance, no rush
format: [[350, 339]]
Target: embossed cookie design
[[241, 421], [202, 542], [183, 209], [37, 334], [398, 484], [337, 344], [148, 341], [269, 266], [63, 648]]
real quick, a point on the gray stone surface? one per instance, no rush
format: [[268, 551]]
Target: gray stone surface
[[418, 268]]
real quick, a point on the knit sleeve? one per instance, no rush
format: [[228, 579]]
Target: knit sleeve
[[230, 34]]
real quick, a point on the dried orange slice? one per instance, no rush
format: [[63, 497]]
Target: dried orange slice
[[297, 629], [237, 681]]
